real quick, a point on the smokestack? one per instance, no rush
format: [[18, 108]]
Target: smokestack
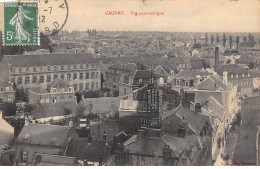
[[216, 57], [104, 136]]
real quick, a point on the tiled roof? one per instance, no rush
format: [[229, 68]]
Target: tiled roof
[[51, 59], [44, 134]]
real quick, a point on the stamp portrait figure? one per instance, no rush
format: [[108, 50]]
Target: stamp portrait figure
[[17, 21]]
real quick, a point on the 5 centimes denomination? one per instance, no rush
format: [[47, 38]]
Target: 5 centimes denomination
[[53, 15], [20, 23]]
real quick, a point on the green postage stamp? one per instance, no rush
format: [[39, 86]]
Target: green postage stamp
[[21, 24]]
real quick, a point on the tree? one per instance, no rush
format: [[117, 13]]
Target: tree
[[230, 41], [224, 40], [212, 39], [66, 111], [217, 38], [21, 95], [237, 41], [206, 38], [244, 38]]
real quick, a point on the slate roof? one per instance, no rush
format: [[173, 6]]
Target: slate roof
[[212, 83], [95, 151], [55, 160], [123, 66], [43, 134], [38, 90], [247, 44], [146, 74], [254, 72], [214, 107], [58, 83], [186, 74], [196, 64], [231, 69], [150, 146], [51, 59], [195, 120]]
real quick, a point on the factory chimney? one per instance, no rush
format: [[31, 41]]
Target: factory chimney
[[216, 57]]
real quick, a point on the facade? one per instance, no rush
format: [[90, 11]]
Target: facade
[[239, 77], [256, 79], [7, 93], [79, 70], [131, 81], [55, 91], [42, 139]]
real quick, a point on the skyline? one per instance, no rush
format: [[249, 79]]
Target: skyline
[[179, 15]]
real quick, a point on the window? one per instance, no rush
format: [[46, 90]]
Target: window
[[68, 67], [231, 76], [81, 86], [9, 98], [62, 67], [140, 81], [81, 66], [13, 80], [49, 68], [92, 86], [125, 91], [24, 156], [248, 75], [96, 85], [81, 76], [68, 76], [54, 90], [49, 78], [70, 89], [2, 89], [96, 74], [20, 80], [87, 75], [86, 66], [13, 69], [27, 69], [75, 76], [87, 86], [27, 80], [41, 79], [55, 67], [75, 66], [75, 87], [34, 79], [236, 75], [55, 76], [47, 100], [20, 70], [92, 75], [62, 76], [34, 69]]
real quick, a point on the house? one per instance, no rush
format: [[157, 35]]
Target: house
[[6, 132], [256, 78], [239, 77], [131, 81], [249, 46], [42, 139], [79, 70], [54, 160], [7, 93], [56, 91]]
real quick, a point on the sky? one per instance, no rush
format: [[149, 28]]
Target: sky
[[178, 15]]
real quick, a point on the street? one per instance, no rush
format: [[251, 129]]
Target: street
[[245, 151]]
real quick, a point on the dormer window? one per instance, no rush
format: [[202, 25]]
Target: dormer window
[[232, 76], [70, 89], [54, 90], [75, 66], [34, 69], [49, 68], [55, 67]]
